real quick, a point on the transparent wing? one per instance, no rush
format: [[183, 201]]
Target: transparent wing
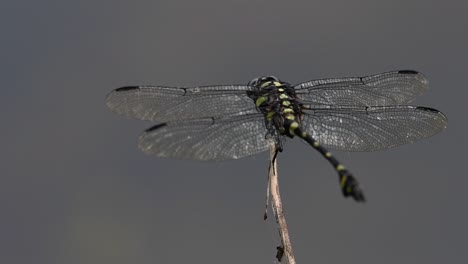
[[389, 88], [159, 103], [223, 138], [372, 128]]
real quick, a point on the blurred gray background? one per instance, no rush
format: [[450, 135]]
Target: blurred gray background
[[74, 188]]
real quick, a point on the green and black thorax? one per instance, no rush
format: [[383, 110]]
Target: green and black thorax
[[279, 104]]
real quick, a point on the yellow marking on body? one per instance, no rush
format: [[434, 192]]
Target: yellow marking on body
[[288, 110], [286, 103], [316, 144], [270, 115], [293, 127], [343, 181], [303, 134], [328, 154], [289, 117], [277, 84], [283, 96], [260, 100], [265, 84], [340, 167], [280, 90]]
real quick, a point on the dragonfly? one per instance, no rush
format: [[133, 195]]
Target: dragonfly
[[222, 122]]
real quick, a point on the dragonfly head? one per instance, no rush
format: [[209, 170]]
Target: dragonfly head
[[259, 81]]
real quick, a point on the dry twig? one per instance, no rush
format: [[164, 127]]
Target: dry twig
[[286, 248]]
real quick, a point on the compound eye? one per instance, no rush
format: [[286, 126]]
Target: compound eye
[[261, 80], [273, 78], [254, 82]]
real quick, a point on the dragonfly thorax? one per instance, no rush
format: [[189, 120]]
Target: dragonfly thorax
[[278, 103]]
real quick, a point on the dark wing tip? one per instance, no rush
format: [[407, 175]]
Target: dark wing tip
[[156, 127], [110, 97], [428, 109], [127, 88], [441, 115], [408, 72]]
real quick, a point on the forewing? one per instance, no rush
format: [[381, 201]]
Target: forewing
[[372, 128], [389, 88], [223, 138], [160, 103]]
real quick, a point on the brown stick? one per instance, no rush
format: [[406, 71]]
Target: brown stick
[[277, 207]]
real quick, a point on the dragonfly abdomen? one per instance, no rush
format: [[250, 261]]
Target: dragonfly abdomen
[[349, 185]]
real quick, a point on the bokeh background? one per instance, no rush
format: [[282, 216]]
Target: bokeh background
[[74, 188]]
